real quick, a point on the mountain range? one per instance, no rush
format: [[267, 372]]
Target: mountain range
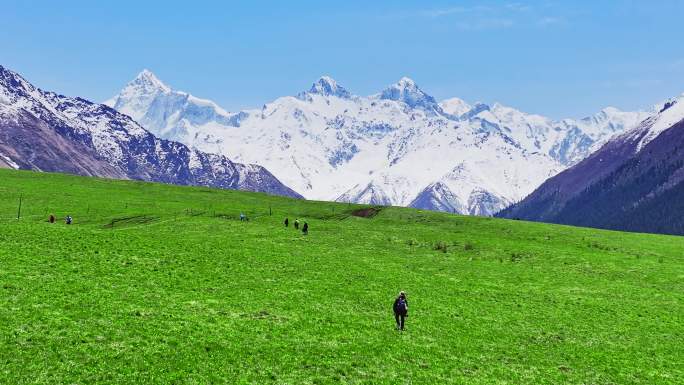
[[45, 131], [397, 147], [634, 182], [615, 170]]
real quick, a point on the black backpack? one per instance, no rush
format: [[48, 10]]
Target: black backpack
[[401, 306]]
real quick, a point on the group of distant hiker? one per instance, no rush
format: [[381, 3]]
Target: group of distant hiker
[[67, 220], [400, 306], [305, 227]]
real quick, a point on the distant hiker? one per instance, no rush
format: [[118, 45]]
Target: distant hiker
[[296, 224], [400, 310], [68, 219], [305, 228], [287, 222], [242, 217], [52, 219]]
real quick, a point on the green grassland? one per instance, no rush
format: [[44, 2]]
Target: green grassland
[[157, 284]]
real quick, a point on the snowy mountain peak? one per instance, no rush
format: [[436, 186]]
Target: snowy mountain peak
[[605, 114], [165, 111], [611, 110], [141, 91], [500, 107], [405, 85], [327, 86], [6, 71], [407, 91], [662, 107], [147, 74], [455, 106], [670, 113], [10, 79], [148, 81], [406, 82]]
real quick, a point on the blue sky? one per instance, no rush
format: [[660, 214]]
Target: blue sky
[[558, 58]]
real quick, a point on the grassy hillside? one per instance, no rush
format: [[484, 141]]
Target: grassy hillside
[[164, 285]]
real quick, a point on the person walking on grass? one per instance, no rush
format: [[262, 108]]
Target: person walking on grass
[[400, 308], [305, 228], [296, 224], [287, 222], [51, 219], [68, 219]]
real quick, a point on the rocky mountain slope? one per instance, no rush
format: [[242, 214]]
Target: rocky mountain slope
[[45, 131], [634, 182], [397, 147]]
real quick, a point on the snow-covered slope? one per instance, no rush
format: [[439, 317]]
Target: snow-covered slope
[[399, 146], [455, 106], [45, 131], [665, 115], [634, 182]]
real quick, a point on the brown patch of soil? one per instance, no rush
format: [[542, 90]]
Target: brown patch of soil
[[369, 212]]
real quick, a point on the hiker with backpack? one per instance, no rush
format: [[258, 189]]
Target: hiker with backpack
[[400, 308], [305, 229]]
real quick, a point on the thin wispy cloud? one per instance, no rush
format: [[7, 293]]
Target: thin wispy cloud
[[518, 7], [676, 64], [483, 24], [632, 83], [486, 17], [549, 20], [477, 9], [441, 12], [434, 13]]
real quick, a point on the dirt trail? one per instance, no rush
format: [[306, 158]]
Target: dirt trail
[[369, 212]]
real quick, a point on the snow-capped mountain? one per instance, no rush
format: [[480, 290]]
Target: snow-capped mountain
[[397, 147], [455, 106], [634, 182], [45, 131]]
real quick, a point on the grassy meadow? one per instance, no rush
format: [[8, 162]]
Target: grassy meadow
[[157, 284]]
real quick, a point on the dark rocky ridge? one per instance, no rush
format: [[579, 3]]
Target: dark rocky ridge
[[622, 186], [44, 131]]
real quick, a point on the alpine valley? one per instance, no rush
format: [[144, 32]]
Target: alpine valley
[[397, 147]]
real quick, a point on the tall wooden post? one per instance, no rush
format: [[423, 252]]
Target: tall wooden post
[[19, 210]]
